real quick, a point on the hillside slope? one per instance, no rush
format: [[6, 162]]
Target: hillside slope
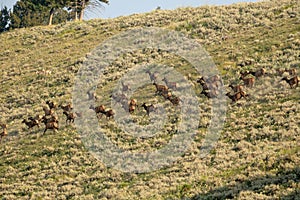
[[256, 157]]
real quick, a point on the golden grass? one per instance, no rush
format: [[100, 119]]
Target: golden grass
[[256, 157]]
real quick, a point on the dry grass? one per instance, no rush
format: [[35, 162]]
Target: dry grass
[[256, 157]]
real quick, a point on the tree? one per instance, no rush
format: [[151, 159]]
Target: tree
[[4, 19], [81, 5], [54, 6], [28, 13]]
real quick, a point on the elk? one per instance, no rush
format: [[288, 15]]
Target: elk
[[67, 107], [160, 88], [98, 110], [109, 113], [174, 100], [70, 116], [293, 82], [4, 131], [236, 96], [131, 109], [132, 104], [31, 123], [50, 123], [148, 108]]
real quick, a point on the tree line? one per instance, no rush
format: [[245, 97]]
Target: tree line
[[27, 13]]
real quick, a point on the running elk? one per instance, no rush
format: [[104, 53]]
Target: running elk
[[293, 82], [4, 131]]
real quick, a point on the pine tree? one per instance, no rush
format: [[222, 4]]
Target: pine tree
[[4, 19], [28, 13], [55, 7]]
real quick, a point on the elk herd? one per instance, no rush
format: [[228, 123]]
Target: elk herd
[[249, 78], [210, 88], [50, 117]]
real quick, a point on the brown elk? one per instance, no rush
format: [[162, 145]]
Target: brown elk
[[174, 100], [293, 82], [148, 108], [31, 123], [236, 96], [160, 88], [50, 123], [70, 116], [67, 107], [109, 114], [132, 104], [98, 110], [4, 131]]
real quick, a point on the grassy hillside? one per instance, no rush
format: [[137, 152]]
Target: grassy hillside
[[256, 157]]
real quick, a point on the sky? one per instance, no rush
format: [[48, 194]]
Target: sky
[[126, 7]]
